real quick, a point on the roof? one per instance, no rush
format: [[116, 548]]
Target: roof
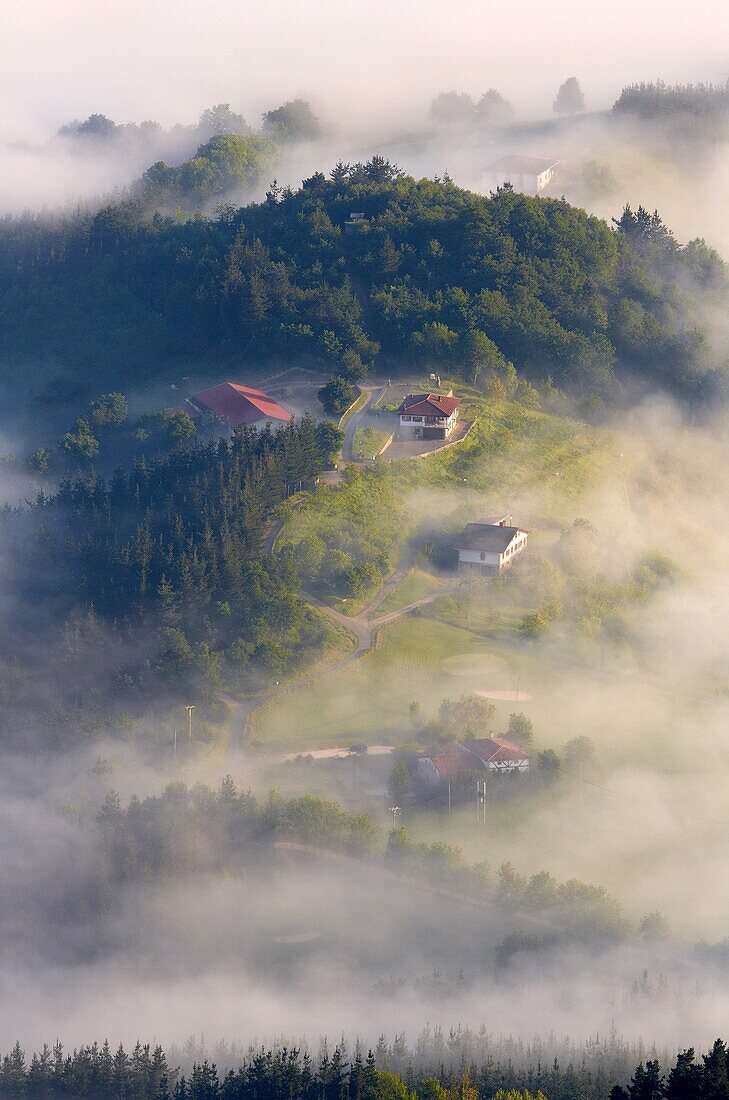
[[521, 165], [489, 749], [491, 537], [454, 761], [237, 404], [429, 404], [471, 755]]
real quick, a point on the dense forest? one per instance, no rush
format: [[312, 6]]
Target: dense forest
[[469, 1068], [431, 276], [656, 100], [154, 579]]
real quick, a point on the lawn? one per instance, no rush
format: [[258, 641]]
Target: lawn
[[368, 441], [416, 585], [419, 659], [541, 467]]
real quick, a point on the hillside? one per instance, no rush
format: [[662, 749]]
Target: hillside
[[432, 275]]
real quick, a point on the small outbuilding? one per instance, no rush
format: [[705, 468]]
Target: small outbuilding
[[428, 416], [490, 547]]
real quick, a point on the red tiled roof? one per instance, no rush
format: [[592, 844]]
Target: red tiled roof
[[237, 404], [429, 404], [452, 763], [494, 748], [470, 756]]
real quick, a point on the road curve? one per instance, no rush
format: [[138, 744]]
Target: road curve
[[373, 392]]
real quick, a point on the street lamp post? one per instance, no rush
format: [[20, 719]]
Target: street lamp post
[[189, 710]]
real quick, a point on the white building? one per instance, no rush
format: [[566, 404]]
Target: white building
[[488, 548], [428, 416], [528, 174]]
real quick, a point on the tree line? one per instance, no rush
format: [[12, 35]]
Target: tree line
[[468, 1067], [192, 830]]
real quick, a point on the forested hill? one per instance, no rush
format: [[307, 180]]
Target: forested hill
[[432, 276]]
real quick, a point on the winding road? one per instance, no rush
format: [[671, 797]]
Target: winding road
[[362, 627], [374, 393]]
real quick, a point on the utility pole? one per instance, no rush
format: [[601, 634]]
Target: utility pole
[[395, 811], [174, 744], [189, 710], [481, 801], [449, 799]]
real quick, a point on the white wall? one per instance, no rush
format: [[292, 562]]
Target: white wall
[[474, 556]]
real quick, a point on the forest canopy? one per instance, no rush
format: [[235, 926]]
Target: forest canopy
[[431, 276]]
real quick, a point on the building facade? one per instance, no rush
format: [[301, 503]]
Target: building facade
[[428, 416], [495, 755], [531, 175]]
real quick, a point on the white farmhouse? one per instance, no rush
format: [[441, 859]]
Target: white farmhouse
[[490, 547], [528, 174], [490, 754], [428, 416]]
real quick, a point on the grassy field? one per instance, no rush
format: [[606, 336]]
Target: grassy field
[[415, 585], [538, 467], [368, 441], [419, 659]]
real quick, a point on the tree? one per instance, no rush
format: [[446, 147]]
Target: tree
[[578, 753], [40, 461], [493, 109], [111, 409], [684, 1080], [400, 782], [329, 438], [570, 100], [81, 442], [336, 395], [521, 729], [654, 926], [292, 121], [452, 109], [469, 716], [220, 119], [548, 766], [715, 1083]]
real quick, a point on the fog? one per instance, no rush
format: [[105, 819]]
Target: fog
[[209, 953], [213, 954], [370, 72], [70, 58]]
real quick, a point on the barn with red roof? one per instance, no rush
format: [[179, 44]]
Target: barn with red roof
[[235, 405]]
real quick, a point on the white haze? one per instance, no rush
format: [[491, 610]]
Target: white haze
[[369, 69], [192, 957], [198, 955]]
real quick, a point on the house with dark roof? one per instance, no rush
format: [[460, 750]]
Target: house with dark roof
[[235, 405], [428, 416], [461, 758], [490, 547], [528, 174]]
